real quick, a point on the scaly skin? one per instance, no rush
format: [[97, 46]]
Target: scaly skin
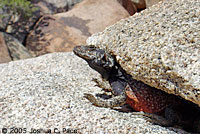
[[142, 97], [138, 95]]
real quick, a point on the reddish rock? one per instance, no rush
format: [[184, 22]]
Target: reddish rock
[[133, 6], [63, 31], [140, 4], [19, 26], [129, 6], [4, 54]]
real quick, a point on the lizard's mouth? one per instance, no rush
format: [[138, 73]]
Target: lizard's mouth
[[85, 52], [95, 56]]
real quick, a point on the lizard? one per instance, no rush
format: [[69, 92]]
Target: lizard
[[125, 89]]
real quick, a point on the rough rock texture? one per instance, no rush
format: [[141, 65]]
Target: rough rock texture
[[4, 54], [16, 50], [47, 92], [150, 3], [61, 32], [159, 46]]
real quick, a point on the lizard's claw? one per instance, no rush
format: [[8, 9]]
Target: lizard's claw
[[90, 97], [96, 81]]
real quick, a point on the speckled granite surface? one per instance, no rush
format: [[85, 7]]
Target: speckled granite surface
[[159, 46], [47, 93]]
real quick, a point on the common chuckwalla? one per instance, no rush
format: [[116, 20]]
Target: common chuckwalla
[[136, 94]]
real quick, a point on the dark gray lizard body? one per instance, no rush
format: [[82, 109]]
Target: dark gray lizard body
[[105, 64]]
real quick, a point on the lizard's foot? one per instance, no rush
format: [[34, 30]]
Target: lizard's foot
[[104, 84], [108, 103]]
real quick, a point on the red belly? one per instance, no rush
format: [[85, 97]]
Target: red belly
[[148, 100]]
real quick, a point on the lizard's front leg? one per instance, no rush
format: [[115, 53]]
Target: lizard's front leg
[[115, 101], [104, 84]]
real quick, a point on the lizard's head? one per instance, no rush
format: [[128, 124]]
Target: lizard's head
[[98, 59]]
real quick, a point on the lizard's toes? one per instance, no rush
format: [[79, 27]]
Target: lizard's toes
[[95, 80], [90, 97], [98, 82]]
